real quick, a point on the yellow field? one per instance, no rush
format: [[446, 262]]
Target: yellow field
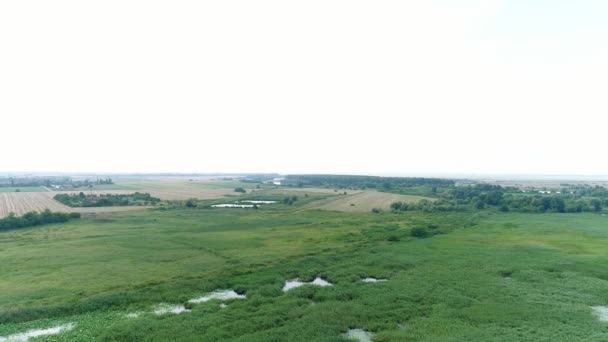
[[23, 202], [363, 201], [165, 194], [321, 190]]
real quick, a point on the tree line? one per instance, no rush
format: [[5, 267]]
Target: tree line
[[34, 218], [481, 196], [363, 182], [106, 200]]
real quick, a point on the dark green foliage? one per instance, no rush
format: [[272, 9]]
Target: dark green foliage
[[106, 200], [419, 232], [191, 203], [34, 218], [481, 196], [240, 189], [290, 200], [361, 182], [393, 238]]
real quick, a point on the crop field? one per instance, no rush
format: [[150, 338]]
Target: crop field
[[363, 201], [165, 194], [323, 190], [171, 189], [39, 198], [22, 202], [487, 276]]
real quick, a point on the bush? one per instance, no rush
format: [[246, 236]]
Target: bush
[[290, 200], [393, 238], [419, 232], [191, 203], [240, 189]]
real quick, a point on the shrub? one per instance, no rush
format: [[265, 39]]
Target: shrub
[[419, 232], [191, 203]]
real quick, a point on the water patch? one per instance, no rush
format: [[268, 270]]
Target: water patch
[[292, 284], [221, 295], [132, 315], [231, 205], [22, 337], [162, 309], [320, 282], [373, 280], [601, 312], [259, 202], [223, 306], [359, 335]]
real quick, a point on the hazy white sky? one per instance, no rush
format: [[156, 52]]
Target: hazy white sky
[[382, 87]]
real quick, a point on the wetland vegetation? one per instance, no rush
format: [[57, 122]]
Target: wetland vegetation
[[472, 274]]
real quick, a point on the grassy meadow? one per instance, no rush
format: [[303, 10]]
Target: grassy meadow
[[484, 276]]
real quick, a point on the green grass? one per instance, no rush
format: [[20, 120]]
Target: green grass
[[491, 277], [23, 189]]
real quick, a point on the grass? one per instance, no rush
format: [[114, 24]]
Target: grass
[[23, 189], [490, 277]]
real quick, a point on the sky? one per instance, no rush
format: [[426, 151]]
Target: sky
[[360, 87]]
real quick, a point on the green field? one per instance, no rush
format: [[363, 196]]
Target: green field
[[23, 189], [488, 277]]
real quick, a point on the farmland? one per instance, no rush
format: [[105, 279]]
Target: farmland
[[22, 202], [364, 201]]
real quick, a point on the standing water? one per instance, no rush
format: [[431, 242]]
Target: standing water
[[22, 337], [359, 335], [292, 284], [221, 295]]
